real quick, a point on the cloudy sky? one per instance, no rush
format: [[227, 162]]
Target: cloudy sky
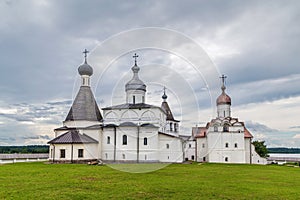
[[184, 46]]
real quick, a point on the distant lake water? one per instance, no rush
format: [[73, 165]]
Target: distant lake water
[[289, 155]]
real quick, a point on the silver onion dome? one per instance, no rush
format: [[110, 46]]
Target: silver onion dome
[[135, 83]]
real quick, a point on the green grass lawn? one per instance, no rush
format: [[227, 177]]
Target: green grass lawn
[[176, 181]]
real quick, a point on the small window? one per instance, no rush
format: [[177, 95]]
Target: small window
[[190, 145], [168, 146], [108, 140], [143, 99], [225, 128], [204, 159], [133, 99], [226, 159], [80, 153], [226, 145], [145, 141], [145, 157], [215, 129], [106, 156], [171, 128], [124, 139], [224, 113], [203, 145], [193, 157], [123, 156], [235, 145], [62, 153]]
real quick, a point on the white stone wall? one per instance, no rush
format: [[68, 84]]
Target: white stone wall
[[79, 123], [147, 153], [138, 94], [202, 153], [248, 152], [222, 145], [172, 154], [190, 150], [90, 151], [256, 159], [153, 116], [223, 110]]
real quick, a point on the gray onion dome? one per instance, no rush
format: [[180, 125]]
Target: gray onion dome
[[85, 69]]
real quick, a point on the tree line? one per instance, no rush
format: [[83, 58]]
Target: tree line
[[24, 149]]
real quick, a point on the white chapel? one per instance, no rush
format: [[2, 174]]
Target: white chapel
[[131, 132], [225, 139]]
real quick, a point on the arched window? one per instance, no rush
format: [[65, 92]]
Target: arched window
[[235, 145], [171, 128], [124, 139], [108, 140], [143, 99], [145, 141], [226, 144], [123, 156], [226, 159], [215, 129], [168, 146], [133, 100], [225, 128]]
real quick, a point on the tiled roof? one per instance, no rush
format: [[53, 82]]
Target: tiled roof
[[166, 108], [72, 137], [84, 106]]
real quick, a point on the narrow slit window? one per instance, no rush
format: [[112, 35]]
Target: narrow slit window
[[124, 139]]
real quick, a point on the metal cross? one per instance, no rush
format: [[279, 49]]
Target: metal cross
[[85, 54], [135, 57], [223, 77]]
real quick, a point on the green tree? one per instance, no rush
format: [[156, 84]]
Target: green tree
[[261, 148]]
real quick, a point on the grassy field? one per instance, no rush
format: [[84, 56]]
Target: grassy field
[[176, 181]]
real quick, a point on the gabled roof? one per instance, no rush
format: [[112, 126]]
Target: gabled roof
[[130, 106], [247, 134], [84, 106], [166, 108], [72, 137], [199, 132]]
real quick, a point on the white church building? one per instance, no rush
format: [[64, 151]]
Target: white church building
[[131, 132], [225, 139]]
